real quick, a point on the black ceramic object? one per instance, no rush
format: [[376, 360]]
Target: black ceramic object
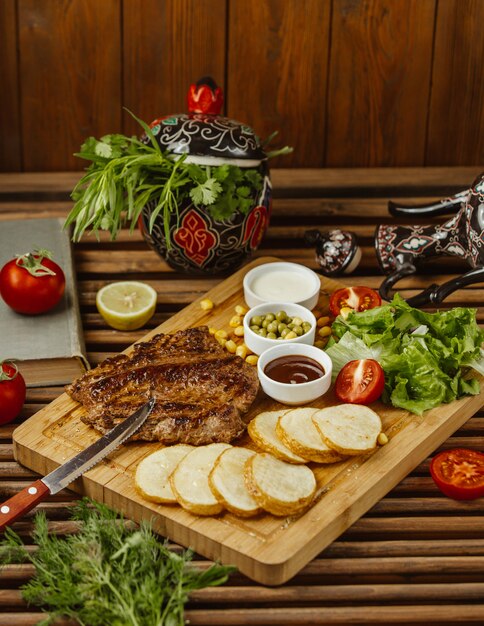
[[208, 139], [200, 243], [402, 249], [337, 251]]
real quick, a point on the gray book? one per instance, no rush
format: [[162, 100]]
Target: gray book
[[48, 348]]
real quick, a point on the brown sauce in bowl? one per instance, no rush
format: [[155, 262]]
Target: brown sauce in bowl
[[294, 369]]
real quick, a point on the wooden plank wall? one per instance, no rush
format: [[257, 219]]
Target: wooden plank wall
[[347, 82]]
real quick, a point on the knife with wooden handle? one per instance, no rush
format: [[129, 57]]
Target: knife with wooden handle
[[61, 477]]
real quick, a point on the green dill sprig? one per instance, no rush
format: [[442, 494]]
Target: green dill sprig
[[108, 572]]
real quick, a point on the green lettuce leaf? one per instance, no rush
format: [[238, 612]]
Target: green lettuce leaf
[[477, 363], [414, 379], [349, 348], [423, 355]]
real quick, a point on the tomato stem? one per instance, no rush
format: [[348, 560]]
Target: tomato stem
[[4, 375], [32, 262]]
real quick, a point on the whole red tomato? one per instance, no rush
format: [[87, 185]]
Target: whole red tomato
[[12, 392], [32, 283]]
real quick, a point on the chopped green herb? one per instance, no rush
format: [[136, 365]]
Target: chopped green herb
[[125, 174], [108, 572], [205, 193]]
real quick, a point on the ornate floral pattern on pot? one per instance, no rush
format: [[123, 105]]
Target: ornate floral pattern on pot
[[401, 250], [197, 184], [202, 244], [337, 252]]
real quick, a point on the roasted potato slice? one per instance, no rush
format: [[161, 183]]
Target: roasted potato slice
[[153, 472], [227, 482], [262, 431], [189, 481], [297, 431], [280, 488], [350, 429]]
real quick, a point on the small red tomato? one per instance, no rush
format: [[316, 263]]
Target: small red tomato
[[12, 392], [459, 473], [360, 382], [356, 298], [32, 283]]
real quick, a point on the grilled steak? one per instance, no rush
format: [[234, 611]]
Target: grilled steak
[[201, 390]]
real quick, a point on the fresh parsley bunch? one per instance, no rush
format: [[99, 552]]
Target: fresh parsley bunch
[[223, 190], [125, 174], [108, 572]]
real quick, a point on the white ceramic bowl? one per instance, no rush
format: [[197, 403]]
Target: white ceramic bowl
[[300, 393], [280, 279], [259, 344]]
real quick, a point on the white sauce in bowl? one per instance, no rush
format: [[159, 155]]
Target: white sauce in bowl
[[282, 286]]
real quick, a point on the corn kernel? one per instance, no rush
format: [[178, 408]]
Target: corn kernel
[[231, 346], [212, 330], [345, 311], [239, 341], [325, 331], [239, 331], [290, 335], [320, 344], [382, 439], [207, 304], [240, 310], [241, 351], [235, 321], [222, 341], [323, 321], [252, 359], [221, 334]]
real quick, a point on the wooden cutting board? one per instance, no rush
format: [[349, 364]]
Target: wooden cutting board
[[268, 549]]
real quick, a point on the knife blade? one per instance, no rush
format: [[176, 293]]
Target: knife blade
[[62, 476]]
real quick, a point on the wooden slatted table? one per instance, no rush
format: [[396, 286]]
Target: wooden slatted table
[[416, 557]]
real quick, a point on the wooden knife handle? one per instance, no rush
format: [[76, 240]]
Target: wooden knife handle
[[22, 502]]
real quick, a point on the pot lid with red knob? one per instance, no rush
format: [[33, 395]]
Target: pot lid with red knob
[[205, 136]]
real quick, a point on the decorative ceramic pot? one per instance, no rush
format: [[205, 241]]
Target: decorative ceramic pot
[[337, 251], [198, 242], [402, 249]]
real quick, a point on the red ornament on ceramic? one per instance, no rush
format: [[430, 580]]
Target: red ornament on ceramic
[[198, 242], [205, 97]]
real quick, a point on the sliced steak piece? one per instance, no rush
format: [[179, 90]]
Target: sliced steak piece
[[201, 391]]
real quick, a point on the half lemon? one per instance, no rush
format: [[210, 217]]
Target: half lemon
[[126, 305]]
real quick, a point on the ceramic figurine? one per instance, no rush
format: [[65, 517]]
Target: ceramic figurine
[[200, 243], [337, 252], [402, 249]]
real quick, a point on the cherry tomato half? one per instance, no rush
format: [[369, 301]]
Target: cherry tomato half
[[360, 382], [459, 473], [32, 284], [12, 392], [356, 298]]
